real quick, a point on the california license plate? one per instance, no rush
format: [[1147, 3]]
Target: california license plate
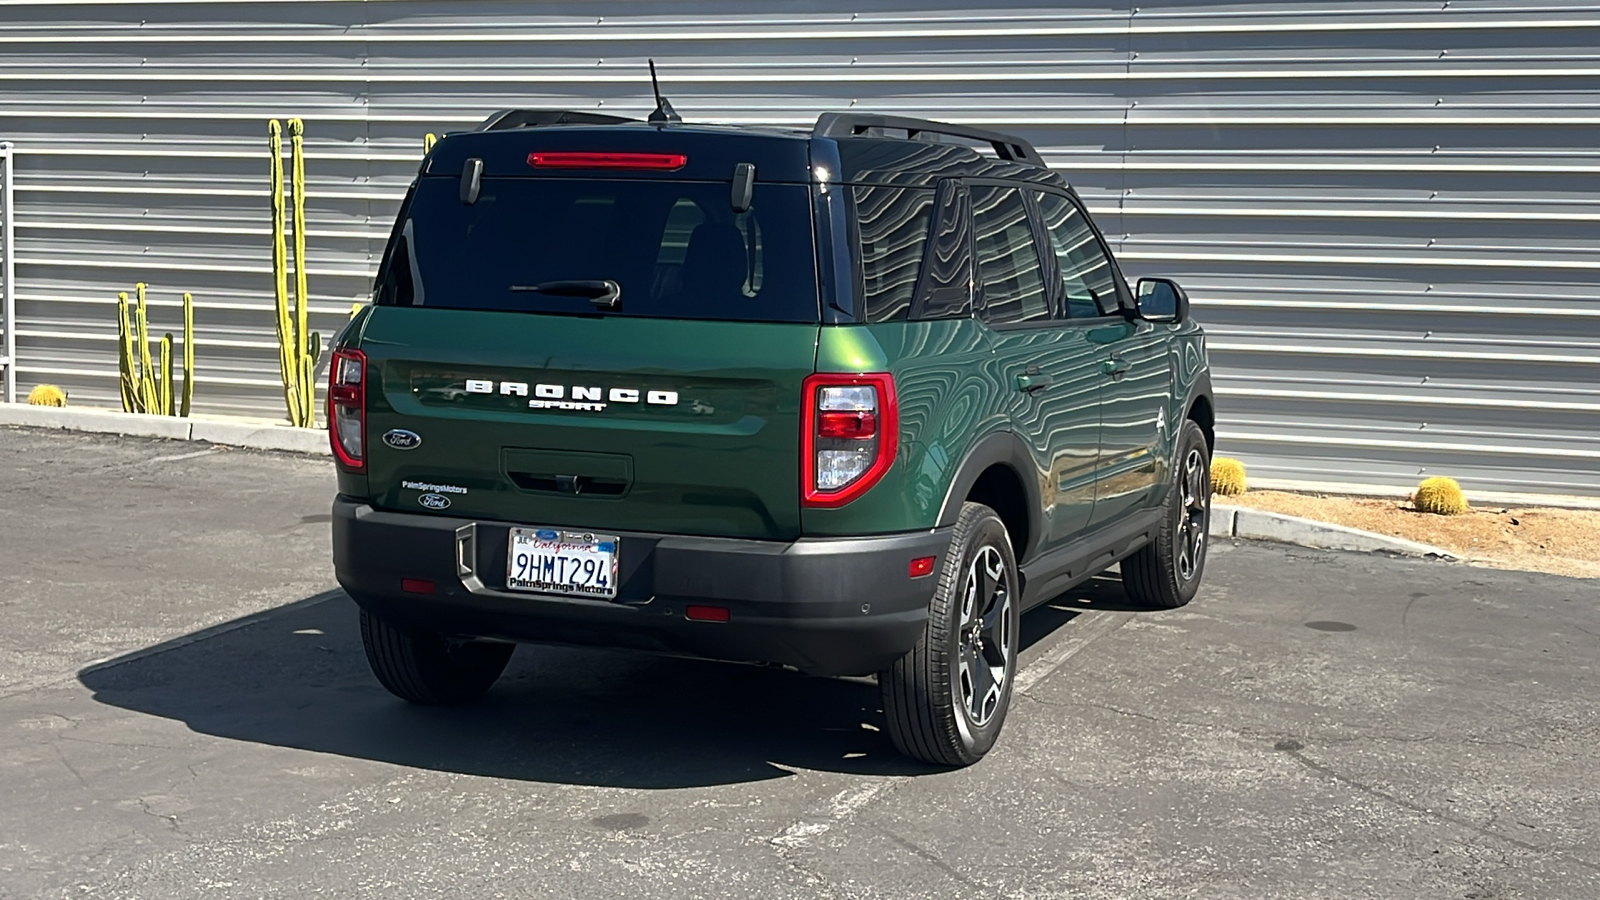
[[572, 563]]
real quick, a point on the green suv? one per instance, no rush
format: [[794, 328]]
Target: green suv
[[848, 399]]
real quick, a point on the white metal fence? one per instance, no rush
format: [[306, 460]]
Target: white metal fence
[[1385, 209], [8, 294]]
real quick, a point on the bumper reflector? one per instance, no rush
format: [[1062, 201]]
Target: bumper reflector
[[922, 565], [416, 585], [706, 613]]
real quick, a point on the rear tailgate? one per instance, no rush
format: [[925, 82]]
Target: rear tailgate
[[602, 424]]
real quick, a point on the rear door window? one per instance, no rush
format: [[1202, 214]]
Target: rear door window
[[1087, 279], [1009, 269], [675, 249]]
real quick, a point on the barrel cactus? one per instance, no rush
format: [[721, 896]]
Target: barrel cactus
[[1228, 476], [1440, 495], [47, 395]]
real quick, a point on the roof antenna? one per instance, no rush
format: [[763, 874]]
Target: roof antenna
[[664, 114]]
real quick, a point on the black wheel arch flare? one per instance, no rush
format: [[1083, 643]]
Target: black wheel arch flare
[[1006, 450]]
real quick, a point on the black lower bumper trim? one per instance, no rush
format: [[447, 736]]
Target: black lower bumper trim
[[829, 606]]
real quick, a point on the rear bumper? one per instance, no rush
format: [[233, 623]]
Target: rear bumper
[[829, 606]]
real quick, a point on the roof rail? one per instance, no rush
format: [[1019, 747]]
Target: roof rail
[[526, 118], [1006, 146]]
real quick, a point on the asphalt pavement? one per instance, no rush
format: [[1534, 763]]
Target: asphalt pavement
[[185, 711]]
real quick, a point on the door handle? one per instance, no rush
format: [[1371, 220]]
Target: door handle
[[1033, 381], [1116, 366]]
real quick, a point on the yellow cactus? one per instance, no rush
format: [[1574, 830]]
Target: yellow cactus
[[188, 354], [47, 395], [1228, 477], [298, 346], [1440, 495], [145, 387]]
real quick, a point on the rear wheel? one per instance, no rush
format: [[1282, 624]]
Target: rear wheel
[[1165, 573], [427, 667], [946, 700]]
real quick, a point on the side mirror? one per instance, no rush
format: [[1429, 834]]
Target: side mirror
[[1162, 300]]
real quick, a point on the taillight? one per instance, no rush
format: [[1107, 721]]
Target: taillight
[[347, 409], [851, 434]]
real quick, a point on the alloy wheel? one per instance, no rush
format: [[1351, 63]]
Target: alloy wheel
[[1194, 517], [987, 638]]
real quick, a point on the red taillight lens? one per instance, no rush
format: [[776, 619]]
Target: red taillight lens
[[347, 409], [858, 424], [850, 436], [663, 162], [921, 567]]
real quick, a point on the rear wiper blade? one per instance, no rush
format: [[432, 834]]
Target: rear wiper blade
[[606, 294]]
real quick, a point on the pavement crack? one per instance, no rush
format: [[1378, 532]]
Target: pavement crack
[[70, 767], [1328, 772], [171, 821], [788, 843], [933, 859], [816, 879], [1135, 714]]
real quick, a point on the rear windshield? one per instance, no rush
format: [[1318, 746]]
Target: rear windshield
[[674, 249]]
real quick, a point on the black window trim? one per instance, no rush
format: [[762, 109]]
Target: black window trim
[[919, 297]]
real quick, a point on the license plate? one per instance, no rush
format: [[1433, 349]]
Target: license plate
[[573, 563]]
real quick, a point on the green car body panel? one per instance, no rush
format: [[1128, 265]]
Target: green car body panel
[[720, 462]]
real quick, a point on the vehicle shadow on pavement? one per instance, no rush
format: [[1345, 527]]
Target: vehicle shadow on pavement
[[296, 676]]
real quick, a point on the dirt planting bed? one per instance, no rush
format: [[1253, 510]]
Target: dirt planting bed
[[1559, 541]]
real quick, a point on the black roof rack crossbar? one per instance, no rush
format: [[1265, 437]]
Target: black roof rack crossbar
[[528, 118], [1006, 146]]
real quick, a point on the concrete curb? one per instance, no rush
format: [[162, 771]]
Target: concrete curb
[[1259, 525], [255, 434]]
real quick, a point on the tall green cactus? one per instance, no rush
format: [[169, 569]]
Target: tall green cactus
[[298, 346], [188, 355], [145, 387]]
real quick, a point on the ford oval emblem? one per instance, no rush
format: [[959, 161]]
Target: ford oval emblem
[[434, 501], [401, 439]]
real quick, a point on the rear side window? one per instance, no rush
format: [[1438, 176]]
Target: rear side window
[[893, 224], [675, 249], [1009, 269]]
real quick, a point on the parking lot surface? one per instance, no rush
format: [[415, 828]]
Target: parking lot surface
[[185, 711]]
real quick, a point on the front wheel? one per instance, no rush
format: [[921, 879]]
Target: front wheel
[[946, 699], [1165, 573], [427, 667]]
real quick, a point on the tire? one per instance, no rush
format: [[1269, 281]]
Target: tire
[[1166, 573], [428, 668], [946, 699]]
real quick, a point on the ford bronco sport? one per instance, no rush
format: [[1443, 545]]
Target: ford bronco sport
[[849, 400]]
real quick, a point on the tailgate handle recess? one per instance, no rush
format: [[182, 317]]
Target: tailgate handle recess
[[568, 473], [576, 485]]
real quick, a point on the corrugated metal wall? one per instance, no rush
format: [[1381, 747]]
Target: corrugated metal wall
[[1386, 211]]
